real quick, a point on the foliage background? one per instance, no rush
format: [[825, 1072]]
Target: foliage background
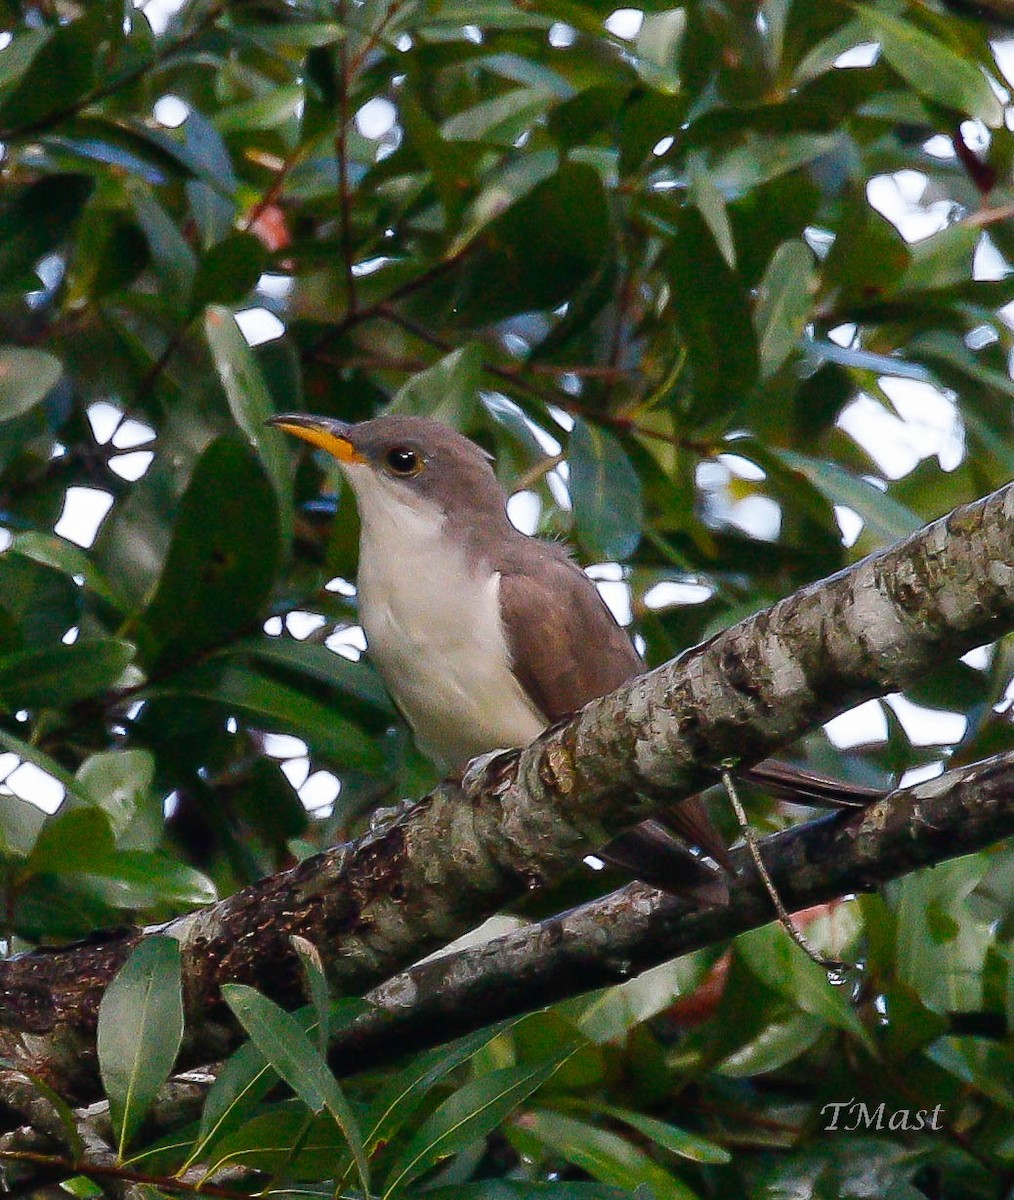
[[641, 257]]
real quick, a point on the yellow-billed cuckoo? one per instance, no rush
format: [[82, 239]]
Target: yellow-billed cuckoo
[[484, 635]]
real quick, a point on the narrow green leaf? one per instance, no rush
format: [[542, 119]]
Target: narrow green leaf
[[603, 1154], [283, 1042], [241, 1084], [57, 552], [932, 68], [783, 303], [669, 1137], [62, 675], [470, 1113], [318, 662], [272, 704], [510, 1189], [140, 1029], [605, 491], [715, 323], [405, 1092], [886, 518], [281, 1039], [250, 402], [26, 377], [780, 964], [501, 119], [711, 203], [316, 986]]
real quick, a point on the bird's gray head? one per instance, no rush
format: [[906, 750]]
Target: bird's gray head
[[403, 460]]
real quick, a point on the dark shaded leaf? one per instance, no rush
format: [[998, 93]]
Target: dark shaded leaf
[[221, 561], [62, 675]]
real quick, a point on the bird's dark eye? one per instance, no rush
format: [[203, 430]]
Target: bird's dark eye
[[403, 461]]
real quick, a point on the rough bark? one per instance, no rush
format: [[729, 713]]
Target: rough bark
[[607, 941], [435, 869]]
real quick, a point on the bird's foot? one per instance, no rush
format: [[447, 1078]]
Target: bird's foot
[[480, 767]]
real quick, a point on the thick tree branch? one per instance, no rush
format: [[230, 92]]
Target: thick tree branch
[[437, 868], [609, 940]]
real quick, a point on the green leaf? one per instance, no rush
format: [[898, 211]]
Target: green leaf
[[273, 705], [43, 602], [61, 555], [61, 70], [275, 107], [939, 261], [711, 204], [606, 493], [316, 986], [250, 402], [886, 519], [467, 1115], [140, 1029], [776, 1043], [501, 120], [402, 1094], [26, 377], [40, 759], [941, 943], [35, 222], [226, 274], [780, 964], [282, 1041], [669, 1137], [603, 1154], [540, 250], [62, 675], [21, 822], [241, 1084], [448, 391], [932, 68], [783, 306], [79, 841], [76, 840], [509, 1189], [221, 562], [715, 322], [357, 679], [118, 781]]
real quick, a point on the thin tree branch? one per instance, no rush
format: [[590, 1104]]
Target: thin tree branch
[[435, 869]]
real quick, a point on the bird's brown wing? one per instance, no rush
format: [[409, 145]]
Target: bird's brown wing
[[565, 646], [566, 650]]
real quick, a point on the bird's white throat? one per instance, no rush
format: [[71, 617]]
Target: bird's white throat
[[434, 627]]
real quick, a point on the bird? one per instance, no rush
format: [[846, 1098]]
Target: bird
[[484, 635]]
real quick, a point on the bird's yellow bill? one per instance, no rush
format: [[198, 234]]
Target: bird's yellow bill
[[325, 439]]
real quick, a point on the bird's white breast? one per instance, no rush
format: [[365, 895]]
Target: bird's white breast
[[434, 629]]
